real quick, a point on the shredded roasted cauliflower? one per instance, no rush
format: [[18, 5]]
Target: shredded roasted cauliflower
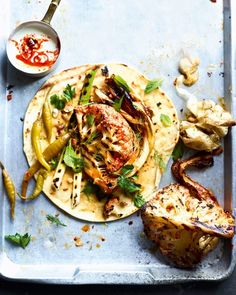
[[206, 123]]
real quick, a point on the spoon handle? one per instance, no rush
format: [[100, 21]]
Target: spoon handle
[[51, 10]]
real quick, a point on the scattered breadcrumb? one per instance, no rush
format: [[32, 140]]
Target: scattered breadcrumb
[[85, 228], [78, 242]]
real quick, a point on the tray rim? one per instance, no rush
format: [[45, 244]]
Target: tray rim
[[229, 6]]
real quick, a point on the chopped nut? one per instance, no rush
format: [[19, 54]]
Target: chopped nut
[[65, 116], [55, 113], [70, 180], [68, 108], [123, 204], [78, 242], [60, 127], [85, 228]]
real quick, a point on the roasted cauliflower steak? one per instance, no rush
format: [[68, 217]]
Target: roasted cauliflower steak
[[185, 220]]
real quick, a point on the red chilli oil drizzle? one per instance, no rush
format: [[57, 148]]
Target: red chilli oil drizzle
[[31, 53]]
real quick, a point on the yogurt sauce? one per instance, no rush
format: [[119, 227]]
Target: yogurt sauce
[[33, 49]]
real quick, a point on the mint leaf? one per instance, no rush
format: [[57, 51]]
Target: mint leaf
[[121, 82], [19, 240], [72, 160], [178, 151], [159, 161], [152, 85], [118, 103], [127, 185], [165, 120]]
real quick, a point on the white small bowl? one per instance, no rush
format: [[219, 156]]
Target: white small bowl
[[36, 28]]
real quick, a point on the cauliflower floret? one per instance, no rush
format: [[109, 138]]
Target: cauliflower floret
[[189, 68], [206, 123]]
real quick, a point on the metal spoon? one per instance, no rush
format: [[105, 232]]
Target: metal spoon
[[33, 47]]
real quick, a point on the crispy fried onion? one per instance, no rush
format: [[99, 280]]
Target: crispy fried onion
[[111, 141], [185, 220], [206, 122]]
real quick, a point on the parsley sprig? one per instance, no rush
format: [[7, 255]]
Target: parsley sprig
[[57, 102], [68, 92]]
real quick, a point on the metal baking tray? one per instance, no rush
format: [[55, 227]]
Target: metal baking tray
[[151, 36]]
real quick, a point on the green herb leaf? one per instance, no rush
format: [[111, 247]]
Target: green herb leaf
[[159, 161], [54, 162], [87, 87], [121, 82], [127, 185], [60, 102], [118, 103], [72, 160], [178, 151], [165, 120], [18, 239], [125, 170], [92, 136], [68, 92], [152, 85], [139, 200], [57, 102], [90, 120], [134, 177], [55, 220], [90, 188]]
